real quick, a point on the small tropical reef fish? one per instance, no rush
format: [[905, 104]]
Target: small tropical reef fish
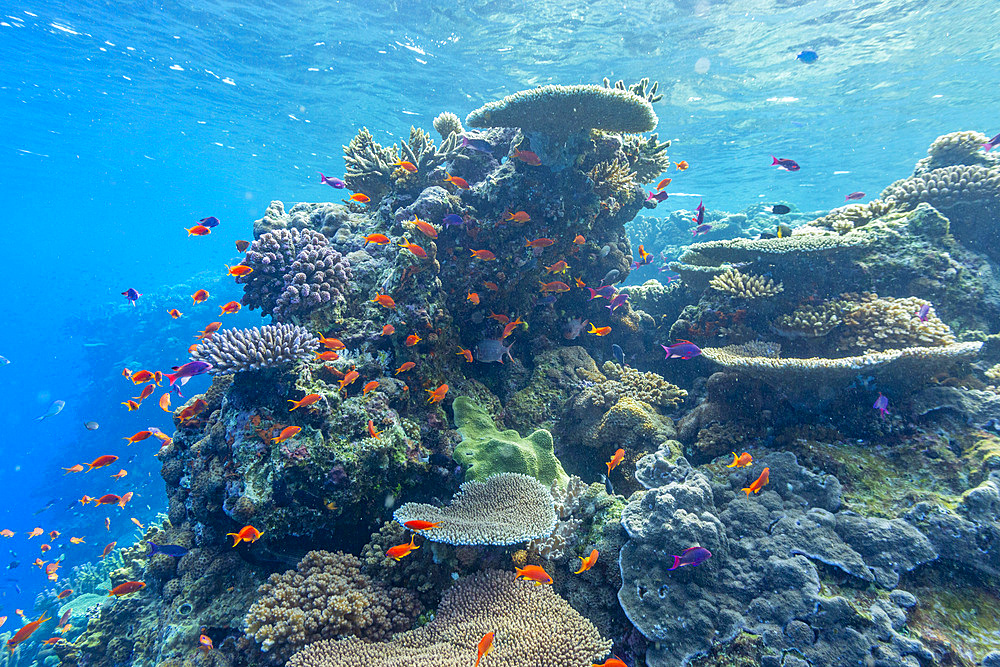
[[205, 643], [335, 343], [588, 562], [744, 460], [992, 143], [332, 181], [400, 550], [484, 255], [616, 458], [490, 350], [613, 661], [533, 573], [579, 240], [682, 165], [64, 594], [555, 286], [385, 301], [174, 313], [457, 181], [404, 164], [519, 216], [606, 291], [758, 483], [126, 588], [192, 411], [783, 231], [371, 386], [466, 353], [412, 340], [480, 145], [286, 433], [437, 395], [54, 409], [692, 556], [239, 270], [372, 432], [418, 524], [785, 163], [241, 245], [107, 499], [101, 461], [854, 195], [664, 183], [780, 209], [77, 540], [426, 228], [144, 394], [200, 296], [452, 219], [473, 298], [7, 532], [558, 267], [141, 376], [539, 243], [231, 308], [405, 367], [35, 533], [188, 370], [26, 632], [165, 403], [377, 239], [923, 312], [527, 157], [209, 330], [658, 197], [351, 376], [484, 646], [882, 405], [304, 402], [807, 56], [387, 330], [108, 549], [414, 248], [574, 327], [247, 534], [131, 405], [599, 331], [619, 300], [138, 437], [685, 349], [618, 353], [131, 295], [198, 230], [360, 198], [700, 217], [701, 229]]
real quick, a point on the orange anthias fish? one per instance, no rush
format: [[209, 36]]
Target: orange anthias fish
[[417, 524], [108, 548], [108, 499], [528, 157], [426, 228], [126, 588], [558, 267], [556, 286], [378, 239], [26, 632], [131, 405], [138, 523], [499, 317], [86, 499], [192, 411], [78, 540], [400, 550], [580, 283], [465, 353], [539, 243], [210, 329], [238, 270], [533, 573], [335, 343], [39, 563], [174, 313], [664, 183], [579, 240], [121, 473], [520, 216], [682, 165], [329, 355], [599, 331], [616, 458], [385, 300], [138, 437], [758, 483], [231, 308], [286, 433], [486, 643], [744, 460], [305, 401], [198, 230], [369, 387], [388, 330], [415, 249], [165, 403], [412, 340], [205, 643], [45, 547], [484, 255], [53, 640], [127, 497], [7, 532], [35, 533], [64, 594], [588, 562], [141, 376], [438, 394], [490, 285], [372, 432], [247, 534], [101, 461], [613, 661], [508, 328], [473, 298], [405, 367], [351, 376], [457, 181], [77, 468], [361, 198], [200, 296], [408, 166]]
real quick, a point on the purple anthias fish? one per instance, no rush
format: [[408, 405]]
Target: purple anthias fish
[[332, 181], [854, 195], [882, 405], [188, 370], [924, 312], [692, 556], [682, 350], [480, 145], [452, 219], [618, 301], [490, 350], [210, 221], [700, 206], [699, 219], [658, 197], [992, 143], [701, 229], [786, 164], [607, 291], [131, 295]]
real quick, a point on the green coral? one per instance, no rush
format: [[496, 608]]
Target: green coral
[[486, 451]]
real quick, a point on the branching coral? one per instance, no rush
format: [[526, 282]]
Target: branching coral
[[369, 165], [637, 88], [420, 150], [616, 381], [505, 509], [532, 626], [647, 156], [744, 285], [236, 350], [879, 323], [562, 110], [326, 597], [613, 179], [447, 123], [809, 321]]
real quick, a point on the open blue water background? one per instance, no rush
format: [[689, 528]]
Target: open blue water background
[[124, 122]]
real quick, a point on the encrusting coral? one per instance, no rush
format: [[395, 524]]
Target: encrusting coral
[[532, 626], [326, 597], [508, 508], [744, 285], [269, 346]]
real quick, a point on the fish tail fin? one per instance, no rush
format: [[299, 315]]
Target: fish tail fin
[[172, 377], [774, 160], [677, 562], [747, 491]]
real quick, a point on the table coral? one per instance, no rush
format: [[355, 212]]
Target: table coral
[[533, 626]]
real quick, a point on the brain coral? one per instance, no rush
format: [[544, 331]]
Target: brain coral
[[295, 272], [325, 597], [533, 626], [505, 509], [236, 350], [567, 109]]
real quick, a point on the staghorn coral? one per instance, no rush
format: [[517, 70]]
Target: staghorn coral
[[296, 273], [647, 156], [744, 285], [616, 381], [533, 626], [508, 508], [846, 218], [447, 123], [562, 110], [237, 350], [325, 597], [613, 179], [809, 321], [369, 165], [878, 323], [637, 88], [421, 151]]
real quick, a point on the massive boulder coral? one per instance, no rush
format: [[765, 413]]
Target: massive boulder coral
[[325, 597], [763, 576], [532, 626], [296, 273], [508, 508], [954, 148], [269, 346]]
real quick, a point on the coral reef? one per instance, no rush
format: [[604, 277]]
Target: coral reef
[[369, 165], [615, 382], [879, 323], [745, 286], [507, 508], [270, 346], [532, 625], [447, 123]]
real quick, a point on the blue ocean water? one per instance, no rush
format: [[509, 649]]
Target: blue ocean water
[[125, 123]]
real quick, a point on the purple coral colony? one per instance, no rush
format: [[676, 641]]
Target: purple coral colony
[[455, 399]]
